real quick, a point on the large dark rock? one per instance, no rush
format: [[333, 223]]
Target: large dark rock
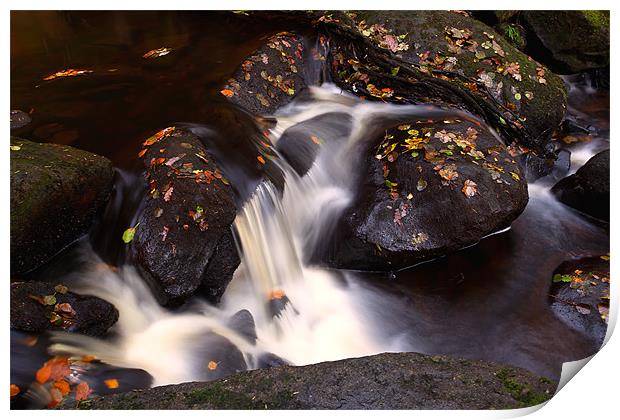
[[587, 190], [383, 381], [37, 306], [576, 40], [270, 77], [57, 193], [448, 58], [579, 296], [182, 239], [428, 189]]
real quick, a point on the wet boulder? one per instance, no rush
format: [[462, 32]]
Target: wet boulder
[[575, 40], [445, 57], [270, 77], [215, 356], [587, 190], [181, 240], [382, 381], [427, 190], [57, 194], [19, 119], [579, 296], [37, 307]]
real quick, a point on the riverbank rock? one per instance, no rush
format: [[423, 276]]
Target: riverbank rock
[[57, 194], [576, 40], [587, 190], [383, 381], [182, 241], [579, 296], [270, 77], [37, 306], [428, 189], [445, 57]]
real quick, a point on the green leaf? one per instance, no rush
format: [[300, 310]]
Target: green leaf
[[49, 300], [395, 71], [16, 148], [129, 234], [566, 278]]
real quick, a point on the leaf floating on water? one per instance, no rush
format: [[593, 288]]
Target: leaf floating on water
[[14, 390], [470, 188], [159, 52], [212, 365], [227, 92], [111, 383], [67, 73]]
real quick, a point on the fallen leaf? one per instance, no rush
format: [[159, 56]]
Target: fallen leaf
[[212, 365], [260, 159], [315, 139], [49, 300], [111, 383], [227, 92], [469, 188], [582, 308], [421, 185], [156, 53], [66, 310], [276, 294], [14, 390], [15, 148], [82, 391], [67, 73], [61, 289], [168, 193], [43, 374], [129, 234], [63, 386]]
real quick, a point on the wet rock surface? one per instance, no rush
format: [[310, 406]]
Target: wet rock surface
[[383, 381], [429, 189], [579, 296], [270, 77], [446, 58], [37, 307], [57, 194], [576, 40], [587, 190], [181, 240]]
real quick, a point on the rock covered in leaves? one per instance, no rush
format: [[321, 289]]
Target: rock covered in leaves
[[587, 190], [429, 189], [446, 57], [182, 240], [57, 193], [576, 40], [382, 381], [579, 295], [270, 77], [37, 306]]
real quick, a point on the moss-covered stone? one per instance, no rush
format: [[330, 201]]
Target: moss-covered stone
[[576, 40], [57, 193]]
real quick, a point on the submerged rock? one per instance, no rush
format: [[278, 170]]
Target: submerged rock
[[444, 57], [587, 190], [579, 296], [270, 77], [383, 381], [576, 40], [37, 306], [428, 189], [57, 194], [182, 240], [19, 119]]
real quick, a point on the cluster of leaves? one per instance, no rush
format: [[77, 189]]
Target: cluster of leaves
[[61, 314], [585, 284], [68, 73], [289, 49], [383, 37]]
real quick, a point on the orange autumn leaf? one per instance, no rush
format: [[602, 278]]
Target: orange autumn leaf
[[82, 391], [315, 139], [111, 383], [63, 386], [67, 73], [276, 294], [14, 390], [43, 374], [59, 368], [227, 92], [212, 365], [142, 152], [158, 136], [260, 159]]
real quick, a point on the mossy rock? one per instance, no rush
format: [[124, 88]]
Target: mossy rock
[[382, 381], [447, 58], [576, 40], [57, 193]]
